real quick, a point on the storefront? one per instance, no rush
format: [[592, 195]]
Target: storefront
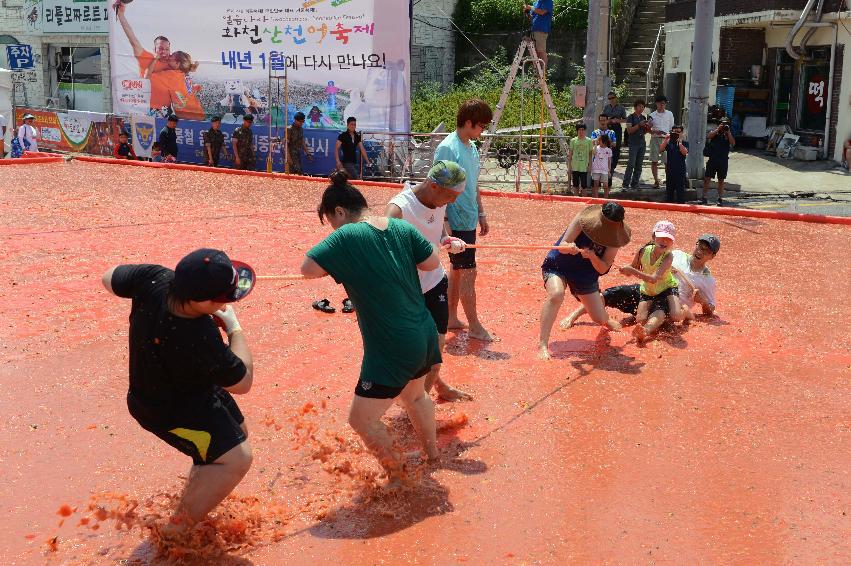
[[66, 43], [761, 86]]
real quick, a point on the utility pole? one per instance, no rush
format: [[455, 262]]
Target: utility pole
[[698, 92], [596, 59]]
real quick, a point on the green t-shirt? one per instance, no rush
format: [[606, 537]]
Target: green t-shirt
[[581, 154], [378, 268]]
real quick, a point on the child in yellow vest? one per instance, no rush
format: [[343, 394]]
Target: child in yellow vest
[[659, 295]]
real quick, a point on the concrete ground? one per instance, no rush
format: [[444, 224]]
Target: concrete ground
[[756, 180]]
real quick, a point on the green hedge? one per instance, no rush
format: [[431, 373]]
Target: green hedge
[[494, 16], [430, 106]]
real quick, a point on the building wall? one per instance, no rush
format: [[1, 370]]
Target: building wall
[[738, 48], [35, 93], [680, 35], [433, 43], [678, 10]]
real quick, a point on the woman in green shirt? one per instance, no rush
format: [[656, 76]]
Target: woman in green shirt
[[376, 260]]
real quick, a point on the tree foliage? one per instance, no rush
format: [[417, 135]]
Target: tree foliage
[[493, 16]]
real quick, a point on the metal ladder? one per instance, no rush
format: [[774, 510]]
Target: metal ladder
[[526, 50]]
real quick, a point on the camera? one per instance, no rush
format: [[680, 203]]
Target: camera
[[674, 137], [725, 127]]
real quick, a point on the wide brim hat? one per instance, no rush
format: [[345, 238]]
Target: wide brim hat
[[603, 231], [28, 117]]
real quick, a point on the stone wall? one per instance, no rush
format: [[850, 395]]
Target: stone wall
[[433, 43], [564, 49]]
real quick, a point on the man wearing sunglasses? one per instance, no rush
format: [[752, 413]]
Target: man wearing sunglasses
[[182, 373], [466, 213]]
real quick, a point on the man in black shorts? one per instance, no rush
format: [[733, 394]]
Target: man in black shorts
[[182, 373], [720, 141], [424, 207]]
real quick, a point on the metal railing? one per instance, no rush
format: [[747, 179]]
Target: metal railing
[[527, 161], [531, 161], [654, 63]]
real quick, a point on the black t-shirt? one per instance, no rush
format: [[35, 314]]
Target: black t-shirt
[[174, 362], [636, 139], [676, 165], [349, 146], [719, 148]]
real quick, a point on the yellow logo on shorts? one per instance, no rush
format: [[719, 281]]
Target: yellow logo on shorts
[[199, 438]]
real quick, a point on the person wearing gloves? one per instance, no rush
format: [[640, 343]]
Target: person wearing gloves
[[424, 206], [182, 373]]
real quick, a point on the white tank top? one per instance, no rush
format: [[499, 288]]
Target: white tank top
[[429, 222]]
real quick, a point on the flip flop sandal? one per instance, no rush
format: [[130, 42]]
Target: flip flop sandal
[[348, 306], [325, 306]]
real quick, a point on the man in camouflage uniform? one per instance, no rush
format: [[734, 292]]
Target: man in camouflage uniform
[[295, 143], [214, 141], [243, 145]]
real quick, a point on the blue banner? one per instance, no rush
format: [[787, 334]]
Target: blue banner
[[190, 146]]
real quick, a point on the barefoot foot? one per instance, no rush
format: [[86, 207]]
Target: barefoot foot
[[639, 333], [544, 353], [456, 324], [479, 333], [567, 322], [614, 325], [449, 394]]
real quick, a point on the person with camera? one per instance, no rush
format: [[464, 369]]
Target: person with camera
[[675, 150], [661, 121], [617, 116], [636, 129], [717, 149]]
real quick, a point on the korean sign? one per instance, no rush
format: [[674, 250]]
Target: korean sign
[[343, 58], [20, 57], [67, 16], [73, 131], [190, 146], [814, 108]]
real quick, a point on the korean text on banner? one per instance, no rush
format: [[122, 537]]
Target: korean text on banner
[[66, 16], [343, 58]]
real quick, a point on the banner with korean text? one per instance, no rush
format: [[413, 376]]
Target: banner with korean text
[[196, 60], [73, 131], [66, 16]]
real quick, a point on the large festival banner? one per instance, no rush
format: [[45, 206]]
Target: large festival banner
[[199, 59], [74, 131]]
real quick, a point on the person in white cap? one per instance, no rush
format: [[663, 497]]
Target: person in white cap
[[27, 135], [424, 206], [659, 293]]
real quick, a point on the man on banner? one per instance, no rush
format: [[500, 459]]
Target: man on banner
[[157, 61]]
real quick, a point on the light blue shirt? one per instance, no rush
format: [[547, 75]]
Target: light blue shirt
[[463, 214]]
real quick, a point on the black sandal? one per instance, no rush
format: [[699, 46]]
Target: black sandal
[[325, 306], [348, 306]]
